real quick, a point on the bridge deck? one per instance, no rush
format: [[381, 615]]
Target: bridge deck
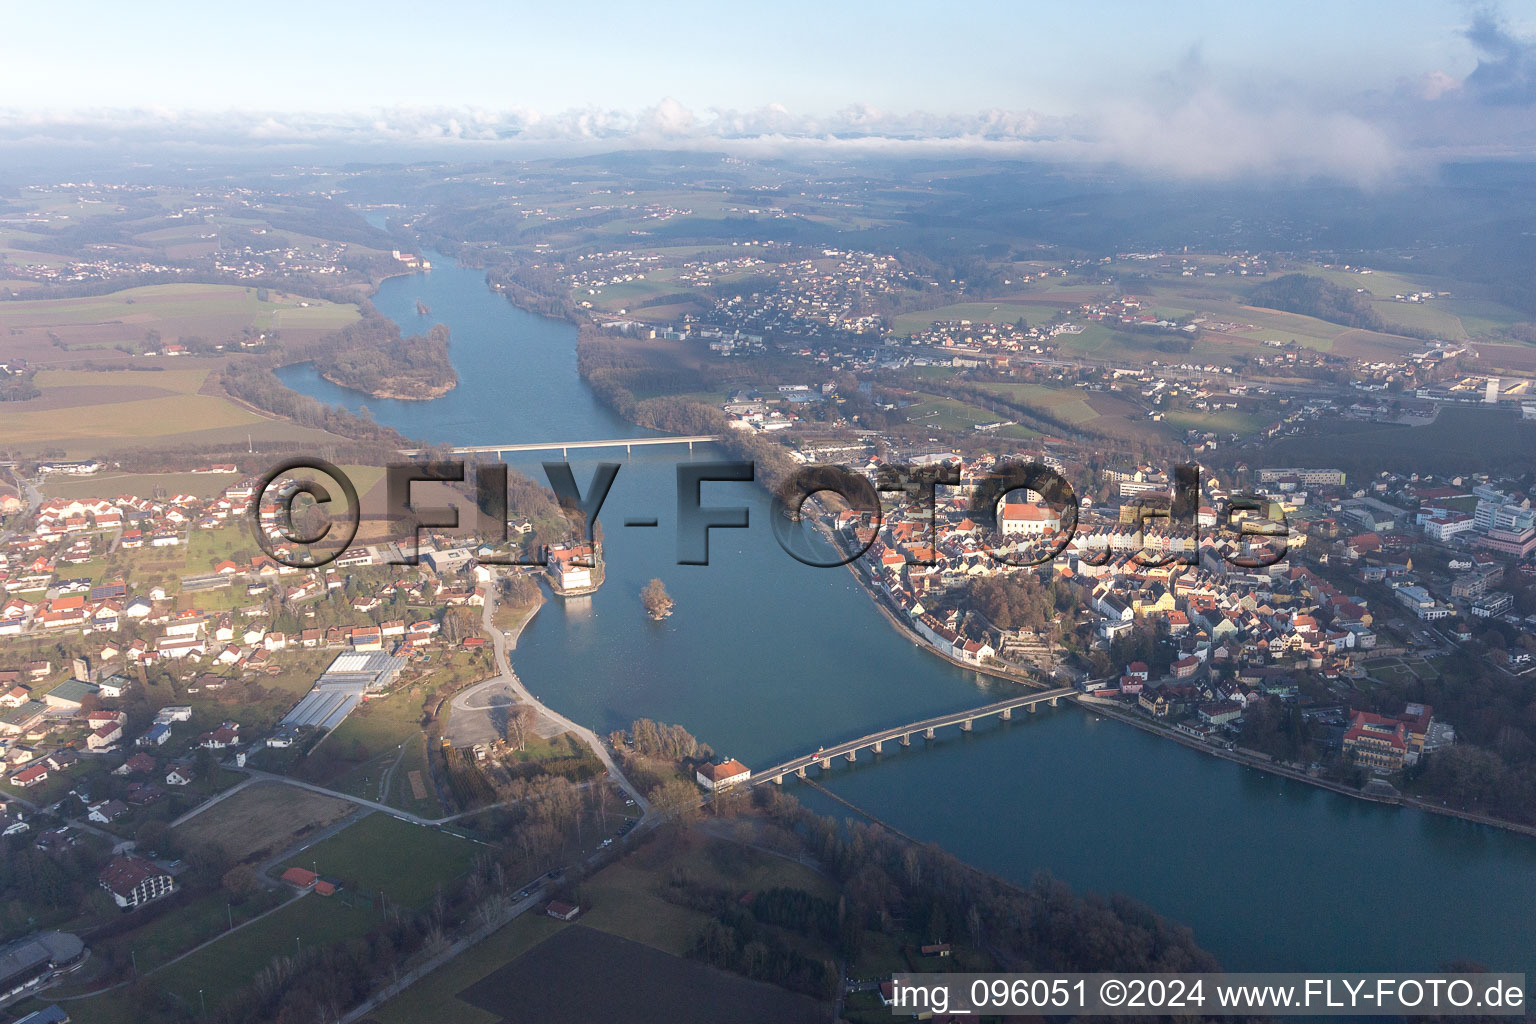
[[936, 722], [547, 446]]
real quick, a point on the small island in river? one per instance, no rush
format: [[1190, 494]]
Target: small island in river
[[658, 603]]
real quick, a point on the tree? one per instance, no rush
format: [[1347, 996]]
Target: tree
[[241, 882], [520, 719], [677, 799], [658, 603]]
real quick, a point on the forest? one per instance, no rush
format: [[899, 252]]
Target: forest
[[373, 356], [1313, 296]]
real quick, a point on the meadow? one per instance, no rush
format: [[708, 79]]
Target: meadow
[[417, 860]]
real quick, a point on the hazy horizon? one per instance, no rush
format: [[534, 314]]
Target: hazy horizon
[[1368, 95]]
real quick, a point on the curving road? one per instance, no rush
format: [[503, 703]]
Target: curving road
[[508, 682]]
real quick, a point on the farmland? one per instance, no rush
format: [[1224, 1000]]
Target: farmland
[[211, 311], [93, 412], [99, 397], [553, 984], [625, 924]]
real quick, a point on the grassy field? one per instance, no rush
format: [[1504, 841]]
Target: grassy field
[[622, 898], [179, 381], [1070, 405], [1000, 312], [381, 853], [134, 420], [435, 997], [172, 933], [947, 414], [178, 310], [263, 820], [231, 963], [1222, 421]]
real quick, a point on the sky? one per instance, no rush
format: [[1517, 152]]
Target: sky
[[1359, 90]]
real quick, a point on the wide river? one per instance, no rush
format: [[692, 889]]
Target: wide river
[[766, 658]]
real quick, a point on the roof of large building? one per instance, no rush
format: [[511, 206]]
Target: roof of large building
[[47, 1015], [125, 873], [1378, 728], [27, 957], [726, 769], [72, 689]]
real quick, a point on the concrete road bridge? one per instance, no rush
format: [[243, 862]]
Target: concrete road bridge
[[565, 447], [902, 734]]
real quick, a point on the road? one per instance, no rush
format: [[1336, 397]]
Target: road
[[508, 681], [34, 499], [257, 775]]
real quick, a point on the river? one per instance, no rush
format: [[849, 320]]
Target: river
[[766, 658]]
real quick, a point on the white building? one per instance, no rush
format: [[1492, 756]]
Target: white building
[[728, 773]]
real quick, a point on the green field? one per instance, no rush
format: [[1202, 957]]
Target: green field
[[979, 312], [177, 309], [384, 854], [1070, 405], [136, 420], [231, 963], [947, 414], [185, 382], [1222, 421]]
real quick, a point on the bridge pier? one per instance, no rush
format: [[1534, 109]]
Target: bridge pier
[[852, 756], [928, 733], [1054, 700], [877, 745], [1007, 714], [967, 725], [826, 764], [690, 447], [800, 771], [1033, 708], [906, 739], [778, 780]]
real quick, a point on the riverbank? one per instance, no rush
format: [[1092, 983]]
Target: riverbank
[[898, 621], [1111, 710], [524, 617]]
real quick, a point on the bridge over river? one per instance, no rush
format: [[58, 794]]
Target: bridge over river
[[563, 447], [903, 734]]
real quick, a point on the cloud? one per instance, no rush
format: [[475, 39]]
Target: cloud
[[1506, 69], [1432, 85], [1208, 135], [1203, 135]]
